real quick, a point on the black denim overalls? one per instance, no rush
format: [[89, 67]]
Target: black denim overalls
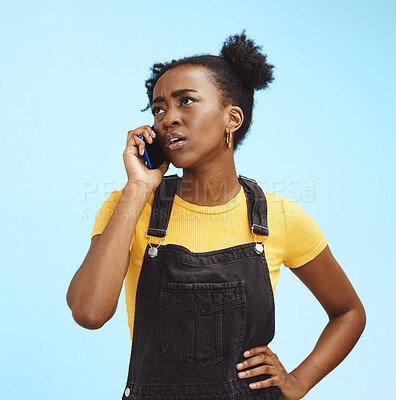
[[196, 313]]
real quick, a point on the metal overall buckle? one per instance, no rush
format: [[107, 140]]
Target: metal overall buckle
[[259, 247], [153, 251]]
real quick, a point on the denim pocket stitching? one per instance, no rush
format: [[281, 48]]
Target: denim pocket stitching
[[217, 352]]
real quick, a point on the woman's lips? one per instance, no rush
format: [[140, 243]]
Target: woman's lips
[[177, 145]]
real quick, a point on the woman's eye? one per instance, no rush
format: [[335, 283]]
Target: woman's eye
[[186, 98], [155, 110]]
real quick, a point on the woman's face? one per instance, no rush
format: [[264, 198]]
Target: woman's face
[[186, 104]]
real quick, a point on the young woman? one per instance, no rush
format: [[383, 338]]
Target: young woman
[[200, 254]]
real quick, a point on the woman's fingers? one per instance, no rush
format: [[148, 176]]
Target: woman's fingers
[[141, 144], [258, 355], [148, 134], [144, 130], [133, 138], [262, 369], [257, 350], [134, 141], [261, 358], [269, 364], [133, 157]]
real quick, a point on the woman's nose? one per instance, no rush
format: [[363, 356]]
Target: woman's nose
[[172, 118]]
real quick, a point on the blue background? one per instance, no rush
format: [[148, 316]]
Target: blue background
[[72, 85]]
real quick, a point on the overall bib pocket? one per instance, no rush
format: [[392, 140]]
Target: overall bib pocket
[[202, 323]]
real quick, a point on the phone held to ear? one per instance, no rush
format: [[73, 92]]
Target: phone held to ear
[[153, 153]]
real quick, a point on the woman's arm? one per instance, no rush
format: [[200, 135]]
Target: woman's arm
[[95, 288], [327, 281]]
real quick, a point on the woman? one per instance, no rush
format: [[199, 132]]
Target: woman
[[200, 254]]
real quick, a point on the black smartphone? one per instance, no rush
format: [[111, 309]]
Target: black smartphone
[[153, 154]]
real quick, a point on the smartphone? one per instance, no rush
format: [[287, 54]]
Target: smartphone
[[154, 156]]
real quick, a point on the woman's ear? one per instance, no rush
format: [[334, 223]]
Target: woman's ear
[[235, 117]]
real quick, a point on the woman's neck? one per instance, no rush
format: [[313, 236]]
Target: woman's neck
[[211, 189]]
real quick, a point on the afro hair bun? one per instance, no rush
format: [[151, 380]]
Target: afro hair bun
[[246, 60]]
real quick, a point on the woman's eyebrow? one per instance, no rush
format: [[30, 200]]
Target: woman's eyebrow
[[176, 93]]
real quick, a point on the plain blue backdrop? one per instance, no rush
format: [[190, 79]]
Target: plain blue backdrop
[[72, 85]]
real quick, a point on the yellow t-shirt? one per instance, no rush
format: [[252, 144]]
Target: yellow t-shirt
[[294, 237]]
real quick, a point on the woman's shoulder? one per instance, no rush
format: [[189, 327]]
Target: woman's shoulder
[[274, 197], [108, 207], [288, 212], [275, 202], [287, 209], [275, 210]]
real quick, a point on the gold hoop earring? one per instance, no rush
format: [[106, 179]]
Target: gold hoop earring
[[229, 139]]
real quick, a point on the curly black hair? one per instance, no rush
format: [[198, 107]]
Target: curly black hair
[[236, 72]]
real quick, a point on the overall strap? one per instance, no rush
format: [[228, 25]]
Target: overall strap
[[162, 206], [256, 204], [165, 194]]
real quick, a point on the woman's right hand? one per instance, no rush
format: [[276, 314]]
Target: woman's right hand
[[136, 169]]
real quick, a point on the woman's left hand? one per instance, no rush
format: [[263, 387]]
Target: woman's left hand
[[290, 386]]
